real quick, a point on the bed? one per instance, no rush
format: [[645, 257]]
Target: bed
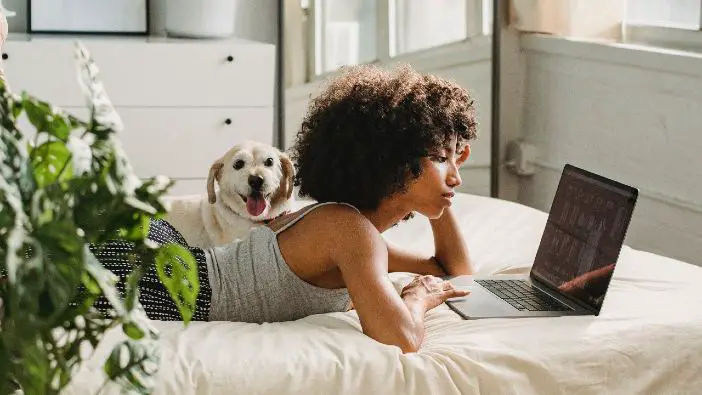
[[647, 339]]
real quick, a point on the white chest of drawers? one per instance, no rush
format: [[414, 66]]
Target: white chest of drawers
[[183, 102]]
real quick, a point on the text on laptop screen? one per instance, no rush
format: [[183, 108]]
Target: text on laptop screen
[[583, 236]]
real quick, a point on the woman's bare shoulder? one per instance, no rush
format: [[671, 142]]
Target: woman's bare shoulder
[[348, 234], [333, 220], [340, 217]]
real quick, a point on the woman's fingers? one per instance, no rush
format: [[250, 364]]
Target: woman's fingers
[[440, 287], [457, 293], [451, 292]]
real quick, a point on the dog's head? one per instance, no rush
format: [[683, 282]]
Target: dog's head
[[255, 180]]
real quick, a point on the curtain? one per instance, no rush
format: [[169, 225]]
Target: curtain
[[569, 18]]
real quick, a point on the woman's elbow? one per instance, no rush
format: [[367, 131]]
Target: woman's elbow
[[461, 268], [406, 342], [409, 343], [462, 271], [409, 348], [457, 267]]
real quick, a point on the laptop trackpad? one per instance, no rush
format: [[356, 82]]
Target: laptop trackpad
[[480, 303]]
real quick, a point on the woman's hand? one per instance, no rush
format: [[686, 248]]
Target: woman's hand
[[432, 291]]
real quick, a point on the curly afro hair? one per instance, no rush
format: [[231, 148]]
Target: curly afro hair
[[363, 137]]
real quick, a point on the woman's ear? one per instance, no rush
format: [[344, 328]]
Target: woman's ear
[[464, 155], [215, 173]]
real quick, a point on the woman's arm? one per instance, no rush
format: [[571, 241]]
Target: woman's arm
[[450, 251], [403, 261], [360, 253], [450, 247]]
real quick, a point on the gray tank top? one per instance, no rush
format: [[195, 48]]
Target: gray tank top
[[252, 283]]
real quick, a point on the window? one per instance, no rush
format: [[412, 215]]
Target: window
[[421, 24], [346, 32], [664, 23], [487, 8], [683, 14]]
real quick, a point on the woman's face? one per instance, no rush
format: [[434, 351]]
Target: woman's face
[[432, 192]]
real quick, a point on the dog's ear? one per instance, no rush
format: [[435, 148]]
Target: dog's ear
[[285, 189], [215, 173]]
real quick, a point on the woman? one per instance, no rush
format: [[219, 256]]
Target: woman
[[374, 148]]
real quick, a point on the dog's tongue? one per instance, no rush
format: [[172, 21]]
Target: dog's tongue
[[255, 204]]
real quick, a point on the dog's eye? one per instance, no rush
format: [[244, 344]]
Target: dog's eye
[[268, 162], [238, 164]]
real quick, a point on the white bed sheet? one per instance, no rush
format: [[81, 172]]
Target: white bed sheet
[[647, 339]]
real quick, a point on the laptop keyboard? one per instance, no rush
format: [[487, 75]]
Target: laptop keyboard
[[522, 296]]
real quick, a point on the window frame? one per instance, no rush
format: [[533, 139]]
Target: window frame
[[478, 25], [674, 38], [669, 36]]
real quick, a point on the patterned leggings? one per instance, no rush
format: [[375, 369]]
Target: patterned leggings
[[153, 295]]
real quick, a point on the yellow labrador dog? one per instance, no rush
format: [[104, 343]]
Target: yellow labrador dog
[[254, 185]]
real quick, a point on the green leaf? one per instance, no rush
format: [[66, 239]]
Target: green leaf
[[45, 118], [49, 160], [10, 108], [63, 263], [60, 126], [15, 167], [34, 379], [16, 108], [38, 112], [132, 289], [91, 284], [133, 365], [177, 269], [133, 330], [7, 385]]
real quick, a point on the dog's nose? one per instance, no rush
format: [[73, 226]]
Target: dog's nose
[[256, 182]]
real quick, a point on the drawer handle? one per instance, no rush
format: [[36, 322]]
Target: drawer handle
[[230, 58], [5, 56], [228, 121]]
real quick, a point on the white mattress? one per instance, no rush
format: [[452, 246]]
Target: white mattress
[[647, 339]]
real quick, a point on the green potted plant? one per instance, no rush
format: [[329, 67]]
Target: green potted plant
[[65, 186]]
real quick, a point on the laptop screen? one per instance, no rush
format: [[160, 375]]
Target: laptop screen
[[583, 236]]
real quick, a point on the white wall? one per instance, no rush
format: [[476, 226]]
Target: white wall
[[468, 64], [630, 114]]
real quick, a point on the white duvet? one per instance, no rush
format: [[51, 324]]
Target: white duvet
[[647, 339]]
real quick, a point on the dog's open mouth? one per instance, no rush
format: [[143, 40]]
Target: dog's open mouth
[[255, 203]]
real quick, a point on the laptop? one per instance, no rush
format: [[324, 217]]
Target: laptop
[[574, 262]]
